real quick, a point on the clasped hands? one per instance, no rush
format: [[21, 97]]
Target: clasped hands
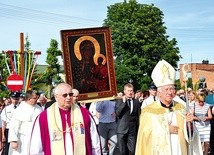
[[174, 129]]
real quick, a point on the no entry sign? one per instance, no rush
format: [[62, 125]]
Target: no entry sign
[[15, 82]]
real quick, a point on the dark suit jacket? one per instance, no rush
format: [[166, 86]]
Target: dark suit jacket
[[48, 104], [39, 104], [125, 120]]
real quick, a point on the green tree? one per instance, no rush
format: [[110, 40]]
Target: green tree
[[139, 41], [53, 69], [27, 43], [4, 92]]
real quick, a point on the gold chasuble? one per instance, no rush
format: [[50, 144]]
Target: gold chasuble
[[56, 131], [153, 134]]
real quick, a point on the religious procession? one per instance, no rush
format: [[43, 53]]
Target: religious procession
[[86, 115], [160, 121]]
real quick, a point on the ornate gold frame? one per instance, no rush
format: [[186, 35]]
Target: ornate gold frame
[[86, 52]]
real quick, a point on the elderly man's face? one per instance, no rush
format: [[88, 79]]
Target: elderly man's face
[[64, 97], [75, 97], [42, 101], [166, 93]]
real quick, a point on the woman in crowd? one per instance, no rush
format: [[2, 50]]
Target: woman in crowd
[[191, 98], [202, 117]]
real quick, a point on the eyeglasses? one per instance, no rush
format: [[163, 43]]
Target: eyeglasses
[[67, 94]]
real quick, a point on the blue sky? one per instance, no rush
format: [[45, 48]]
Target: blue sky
[[190, 22]]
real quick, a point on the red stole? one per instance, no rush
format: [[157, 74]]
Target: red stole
[[46, 140]]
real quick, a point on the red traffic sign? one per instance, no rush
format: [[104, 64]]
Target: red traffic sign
[[15, 82]]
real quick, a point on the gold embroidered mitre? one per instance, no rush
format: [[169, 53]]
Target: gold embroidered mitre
[[163, 74]]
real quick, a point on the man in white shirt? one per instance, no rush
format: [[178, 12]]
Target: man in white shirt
[[94, 113], [152, 96], [6, 116]]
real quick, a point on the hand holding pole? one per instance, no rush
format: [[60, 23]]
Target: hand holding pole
[[185, 80]]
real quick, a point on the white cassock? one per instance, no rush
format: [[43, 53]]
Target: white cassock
[[36, 142], [21, 127]]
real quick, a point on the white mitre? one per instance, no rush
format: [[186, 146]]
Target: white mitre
[[163, 74]]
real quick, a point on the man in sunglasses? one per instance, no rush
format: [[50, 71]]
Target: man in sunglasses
[[65, 128]]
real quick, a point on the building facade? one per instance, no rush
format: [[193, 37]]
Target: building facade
[[196, 71]]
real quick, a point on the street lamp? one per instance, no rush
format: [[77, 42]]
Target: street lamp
[[130, 80], [202, 84]]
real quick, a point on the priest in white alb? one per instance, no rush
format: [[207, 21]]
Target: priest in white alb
[[22, 123]]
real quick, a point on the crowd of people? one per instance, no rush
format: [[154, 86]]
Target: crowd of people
[[159, 121]]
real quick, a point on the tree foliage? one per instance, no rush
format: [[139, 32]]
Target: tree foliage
[[139, 41], [4, 92], [27, 43], [53, 69]]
